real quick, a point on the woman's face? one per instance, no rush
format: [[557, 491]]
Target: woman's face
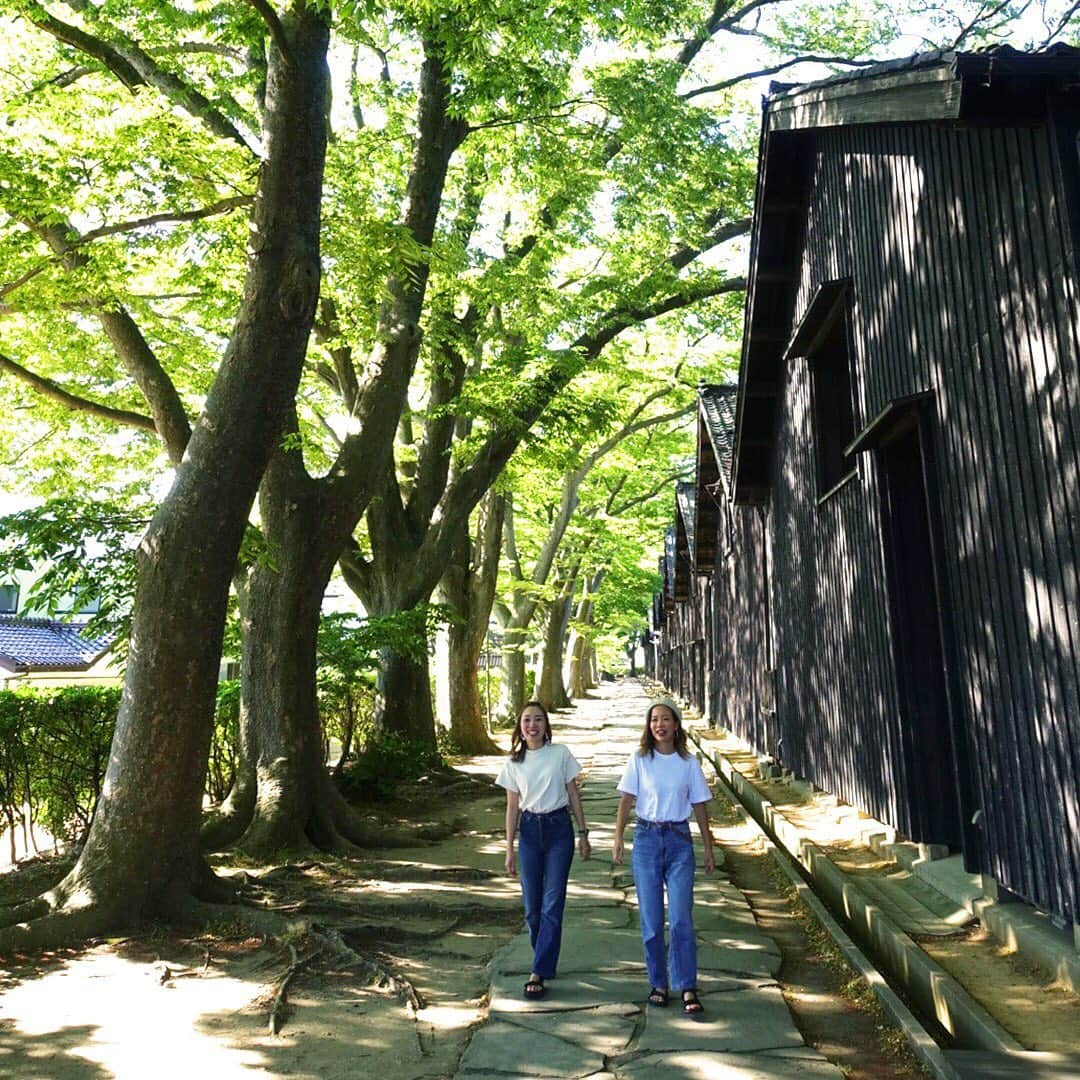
[[533, 727], [662, 724]]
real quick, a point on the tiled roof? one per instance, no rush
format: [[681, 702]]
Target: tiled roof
[[718, 406], [47, 645]]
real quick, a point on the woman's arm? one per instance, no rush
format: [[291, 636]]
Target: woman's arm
[[622, 816], [584, 847], [512, 801], [701, 815]]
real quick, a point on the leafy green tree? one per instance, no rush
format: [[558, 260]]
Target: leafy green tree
[[142, 855], [500, 192], [627, 416]]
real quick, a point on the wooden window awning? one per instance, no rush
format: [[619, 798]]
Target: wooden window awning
[[897, 416]]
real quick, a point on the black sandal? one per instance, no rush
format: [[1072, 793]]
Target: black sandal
[[691, 1003], [534, 989], [657, 996]]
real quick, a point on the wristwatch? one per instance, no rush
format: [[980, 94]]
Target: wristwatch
[[583, 832]]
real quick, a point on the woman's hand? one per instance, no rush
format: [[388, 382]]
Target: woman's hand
[[510, 863], [710, 861], [584, 848], [617, 851]]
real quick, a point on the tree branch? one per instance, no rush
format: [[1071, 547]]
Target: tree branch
[[170, 416], [510, 541], [614, 509], [48, 388], [135, 67], [355, 569], [220, 207], [1062, 23], [985, 16], [277, 31], [725, 84]]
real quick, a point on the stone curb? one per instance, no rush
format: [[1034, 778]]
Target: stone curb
[[928, 984]]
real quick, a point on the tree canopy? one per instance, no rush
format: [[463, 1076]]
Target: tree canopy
[[356, 259]]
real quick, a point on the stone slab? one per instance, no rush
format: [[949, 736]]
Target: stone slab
[[584, 991], [699, 1065], [738, 1023], [587, 949], [604, 1030], [499, 1045], [597, 917], [592, 990], [583, 949]]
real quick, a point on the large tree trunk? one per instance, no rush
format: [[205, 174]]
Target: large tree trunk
[[405, 689], [308, 523], [142, 854], [579, 667], [469, 587], [467, 721], [576, 678], [550, 691], [512, 693]]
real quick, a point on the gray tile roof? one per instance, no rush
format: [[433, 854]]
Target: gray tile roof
[[718, 407], [47, 645]]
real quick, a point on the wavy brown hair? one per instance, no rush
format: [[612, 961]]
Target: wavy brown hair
[[517, 740], [648, 743]]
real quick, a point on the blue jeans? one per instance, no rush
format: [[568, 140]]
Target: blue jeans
[[663, 855], [545, 851]]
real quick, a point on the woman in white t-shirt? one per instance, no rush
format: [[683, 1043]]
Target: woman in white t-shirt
[[667, 785], [540, 779]]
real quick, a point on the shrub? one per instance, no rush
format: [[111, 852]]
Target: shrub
[[224, 741], [54, 755], [387, 760]]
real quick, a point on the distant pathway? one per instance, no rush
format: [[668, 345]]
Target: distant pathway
[[594, 1021]]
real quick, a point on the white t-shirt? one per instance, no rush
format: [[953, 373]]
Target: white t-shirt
[[665, 785], [540, 780]]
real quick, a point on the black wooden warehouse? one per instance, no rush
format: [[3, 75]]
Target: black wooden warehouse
[[878, 582]]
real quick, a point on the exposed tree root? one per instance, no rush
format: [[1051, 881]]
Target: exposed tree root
[[277, 1007], [223, 825], [71, 912], [329, 941], [267, 829], [376, 972], [56, 926]]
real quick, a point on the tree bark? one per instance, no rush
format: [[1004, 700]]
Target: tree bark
[[405, 688], [512, 693], [579, 668], [142, 854], [308, 522], [550, 691], [469, 587]]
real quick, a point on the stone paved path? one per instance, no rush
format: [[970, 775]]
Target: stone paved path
[[594, 1021]]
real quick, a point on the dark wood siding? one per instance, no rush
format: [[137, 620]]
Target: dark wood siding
[[963, 287], [740, 698]]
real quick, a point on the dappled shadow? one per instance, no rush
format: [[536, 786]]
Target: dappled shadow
[[49, 1055]]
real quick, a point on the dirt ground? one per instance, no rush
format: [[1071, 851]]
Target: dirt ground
[[834, 1010], [416, 928], [166, 1004]]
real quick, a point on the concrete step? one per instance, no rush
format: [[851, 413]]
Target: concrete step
[[1018, 1065]]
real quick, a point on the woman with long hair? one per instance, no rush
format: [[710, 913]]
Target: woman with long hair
[[540, 779], [667, 785]]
